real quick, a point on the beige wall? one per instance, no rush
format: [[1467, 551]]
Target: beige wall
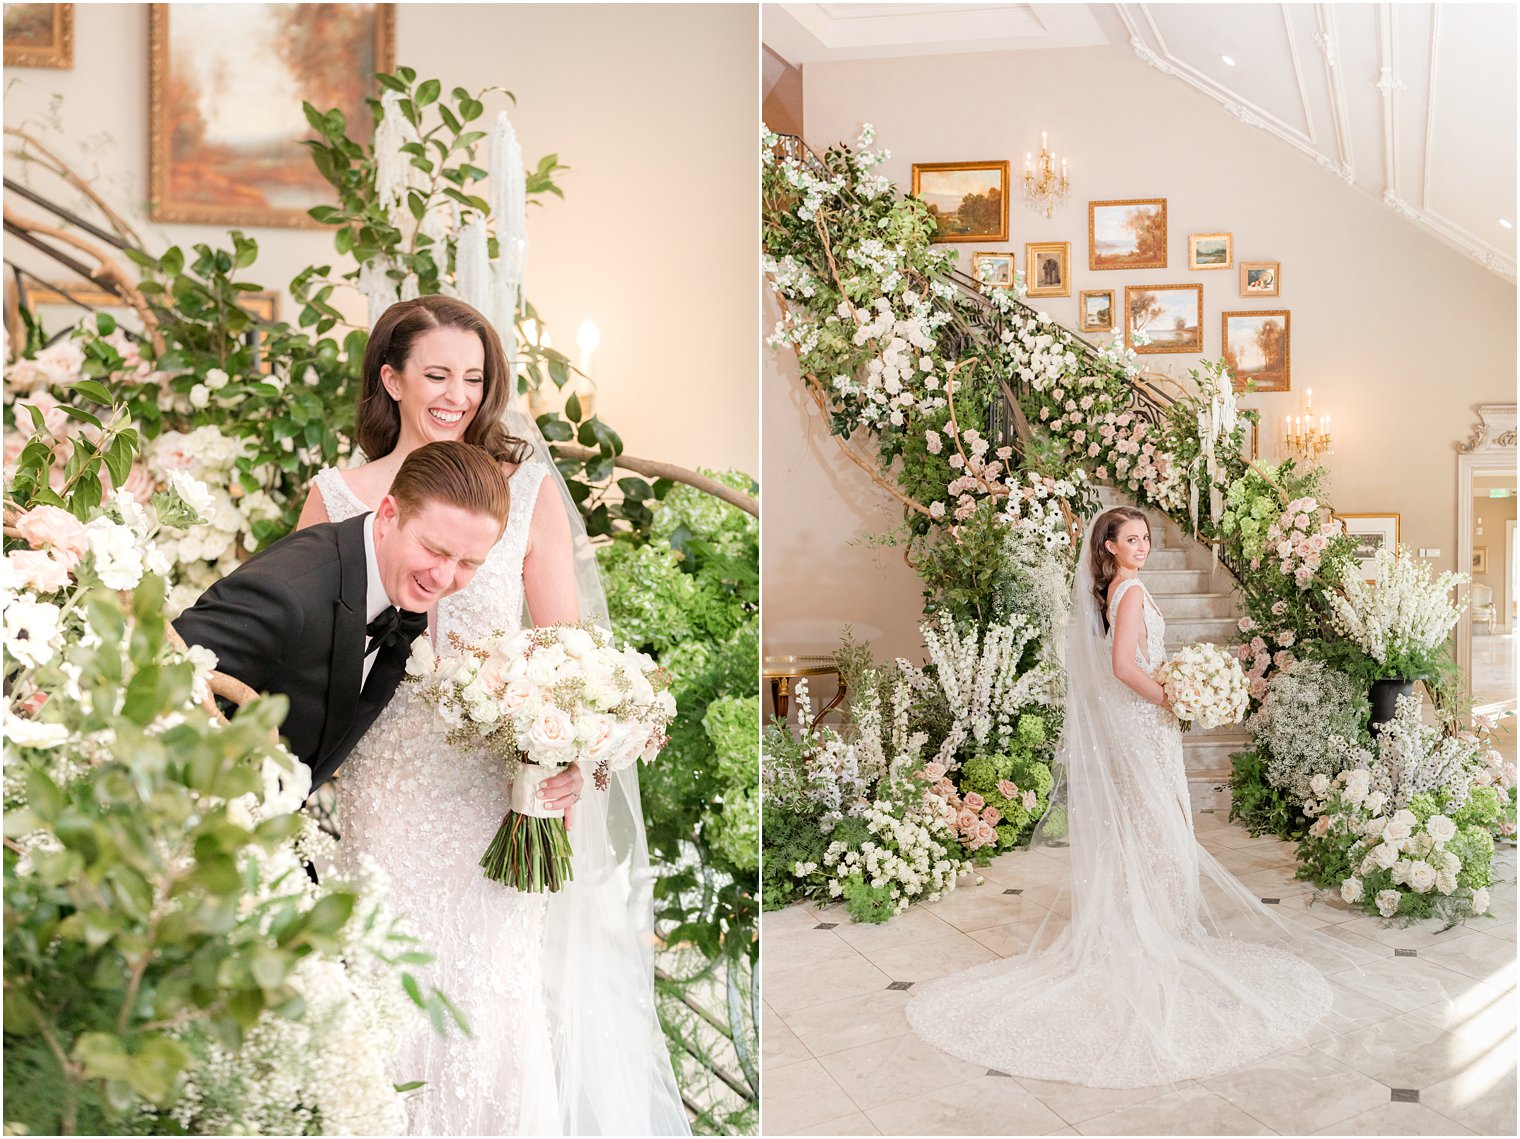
[[1493, 514], [653, 107], [1398, 335]]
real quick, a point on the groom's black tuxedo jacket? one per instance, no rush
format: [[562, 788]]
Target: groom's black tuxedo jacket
[[291, 620]]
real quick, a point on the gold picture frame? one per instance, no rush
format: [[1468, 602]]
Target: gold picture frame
[[1172, 318], [1260, 278], [1257, 347], [1480, 559], [956, 182], [1000, 259], [1372, 532], [39, 35], [1091, 313], [1211, 251], [1143, 219], [232, 171], [1047, 269]]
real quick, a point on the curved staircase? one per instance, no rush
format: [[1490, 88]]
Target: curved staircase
[[1200, 602]]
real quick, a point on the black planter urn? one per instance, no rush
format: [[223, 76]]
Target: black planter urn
[[1384, 696]]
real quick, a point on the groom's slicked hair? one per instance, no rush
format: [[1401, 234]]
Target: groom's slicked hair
[[456, 474]]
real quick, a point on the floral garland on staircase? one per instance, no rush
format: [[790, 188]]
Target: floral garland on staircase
[[992, 426]]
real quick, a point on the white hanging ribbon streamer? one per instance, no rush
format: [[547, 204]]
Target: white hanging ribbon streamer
[[525, 800], [509, 190], [472, 265]]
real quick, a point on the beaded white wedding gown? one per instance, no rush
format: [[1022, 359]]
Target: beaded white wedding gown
[[425, 811], [1169, 968]]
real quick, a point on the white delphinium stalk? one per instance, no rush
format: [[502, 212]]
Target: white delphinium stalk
[[509, 189], [472, 275], [1402, 612]]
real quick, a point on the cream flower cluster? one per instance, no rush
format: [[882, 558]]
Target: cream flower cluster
[[1382, 838], [905, 856], [1413, 757], [556, 694], [1206, 685], [1402, 612]]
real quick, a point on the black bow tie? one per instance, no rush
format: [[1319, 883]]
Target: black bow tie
[[401, 626]]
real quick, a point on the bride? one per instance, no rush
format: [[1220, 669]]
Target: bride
[[557, 989], [1169, 967]]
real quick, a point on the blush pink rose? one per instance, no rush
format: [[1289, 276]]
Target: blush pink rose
[[1007, 788], [974, 801], [56, 527], [966, 820], [991, 816]]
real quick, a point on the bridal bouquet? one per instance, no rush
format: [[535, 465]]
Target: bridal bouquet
[[543, 699], [1206, 686]]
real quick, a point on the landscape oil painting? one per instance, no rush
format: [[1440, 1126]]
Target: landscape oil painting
[[1127, 234], [226, 85], [967, 200], [1256, 348], [1164, 318]]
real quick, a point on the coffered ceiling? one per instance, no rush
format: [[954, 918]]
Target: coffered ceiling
[[1411, 104]]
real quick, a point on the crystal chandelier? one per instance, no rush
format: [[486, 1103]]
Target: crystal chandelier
[[1044, 189], [1304, 437]]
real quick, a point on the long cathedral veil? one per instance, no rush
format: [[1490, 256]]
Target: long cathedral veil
[[1152, 963], [610, 1056]]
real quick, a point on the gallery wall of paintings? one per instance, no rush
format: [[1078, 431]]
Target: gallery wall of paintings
[[188, 117], [1398, 336]]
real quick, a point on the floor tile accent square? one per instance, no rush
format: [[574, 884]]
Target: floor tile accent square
[[1406, 952], [1013, 891], [899, 986], [995, 1072], [1404, 1095], [827, 925], [1271, 901]]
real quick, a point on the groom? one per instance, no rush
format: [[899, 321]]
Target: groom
[[327, 615]]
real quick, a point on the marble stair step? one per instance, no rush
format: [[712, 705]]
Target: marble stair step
[[1196, 606], [1162, 581], [1189, 630]]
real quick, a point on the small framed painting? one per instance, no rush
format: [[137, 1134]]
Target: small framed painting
[[1211, 251], [1257, 349], [1170, 316], [1480, 559], [1260, 278], [992, 268], [1096, 310], [1372, 532], [225, 87], [1250, 449], [967, 200], [58, 307], [1127, 234], [39, 35], [1047, 268]]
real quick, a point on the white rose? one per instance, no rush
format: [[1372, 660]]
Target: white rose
[[1446, 883], [1480, 900], [1400, 874], [576, 642], [1320, 784], [1397, 830], [23, 732], [1373, 827], [1407, 817], [1351, 890], [200, 396], [600, 735], [1385, 854], [1447, 862], [1375, 802], [1441, 828], [515, 696], [1388, 902], [216, 379], [1422, 876], [551, 736], [1358, 783], [422, 659]]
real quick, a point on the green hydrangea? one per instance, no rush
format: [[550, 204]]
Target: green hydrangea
[[730, 724], [983, 773], [1474, 845]]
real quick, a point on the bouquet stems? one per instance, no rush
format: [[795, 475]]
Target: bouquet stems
[[531, 850]]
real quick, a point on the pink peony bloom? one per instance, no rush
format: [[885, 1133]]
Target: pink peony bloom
[[39, 570], [56, 527]]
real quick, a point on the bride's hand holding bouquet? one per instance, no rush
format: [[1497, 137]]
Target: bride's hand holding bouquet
[[543, 699]]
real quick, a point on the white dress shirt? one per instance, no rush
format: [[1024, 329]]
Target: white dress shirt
[[375, 597]]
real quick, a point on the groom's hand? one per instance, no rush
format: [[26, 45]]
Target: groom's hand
[[561, 792]]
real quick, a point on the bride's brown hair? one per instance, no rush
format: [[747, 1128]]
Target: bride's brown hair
[[378, 425], [1104, 565]]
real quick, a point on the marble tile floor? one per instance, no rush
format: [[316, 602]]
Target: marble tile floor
[[1424, 1046]]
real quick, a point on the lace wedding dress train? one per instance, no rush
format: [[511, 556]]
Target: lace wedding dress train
[[424, 811], [1169, 968]]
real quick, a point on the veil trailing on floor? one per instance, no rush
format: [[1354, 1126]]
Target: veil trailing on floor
[[1154, 963], [610, 1056]]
